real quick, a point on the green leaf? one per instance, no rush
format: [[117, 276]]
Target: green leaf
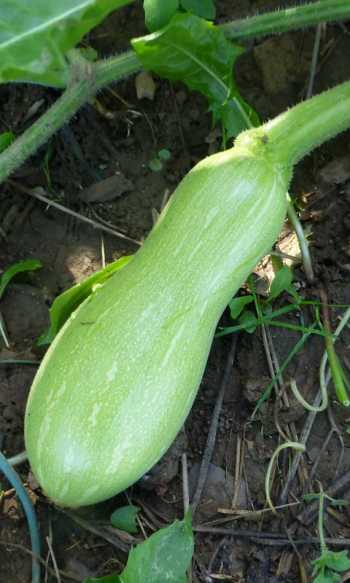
[[159, 12], [249, 321], [125, 518], [326, 576], [311, 497], [165, 556], [194, 51], [69, 300], [35, 35], [237, 305], [202, 8], [281, 282], [5, 140], [15, 269], [336, 561]]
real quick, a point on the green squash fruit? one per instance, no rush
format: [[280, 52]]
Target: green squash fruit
[[119, 380]]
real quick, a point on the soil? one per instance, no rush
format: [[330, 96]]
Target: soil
[[117, 136]]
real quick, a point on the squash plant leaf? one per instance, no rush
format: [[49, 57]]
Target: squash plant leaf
[[327, 576], [164, 556], [194, 51], [158, 13], [281, 282], [336, 561], [249, 321], [203, 8], [124, 518], [15, 269], [36, 34], [329, 565], [69, 300], [237, 305]]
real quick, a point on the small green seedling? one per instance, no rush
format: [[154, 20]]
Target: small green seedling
[[157, 163], [7, 276], [330, 564], [249, 320], [125, 518]]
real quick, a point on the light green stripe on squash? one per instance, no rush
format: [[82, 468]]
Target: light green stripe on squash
[[119, 380]]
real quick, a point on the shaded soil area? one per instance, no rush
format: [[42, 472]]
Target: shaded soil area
[[116, 137]]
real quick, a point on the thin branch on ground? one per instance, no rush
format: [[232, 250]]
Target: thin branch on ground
[[53, 558], [3, 332], [100, 531], [238, 469], [185, 488], [102, 221], [271, 538], [213, 558], [64, 209], [203, 472]]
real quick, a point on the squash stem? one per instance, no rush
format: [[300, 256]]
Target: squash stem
[[283, 20], [86, 79], [294, 133]]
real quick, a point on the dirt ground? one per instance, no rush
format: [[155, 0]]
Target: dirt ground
[[118, 135]]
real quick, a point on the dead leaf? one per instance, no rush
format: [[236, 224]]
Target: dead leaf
[[145, 86], [107, 189]]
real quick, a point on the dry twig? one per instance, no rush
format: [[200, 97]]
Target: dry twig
[[64, 209], [203, 472]]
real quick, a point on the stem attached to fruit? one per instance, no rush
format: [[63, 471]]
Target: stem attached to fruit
[[294, 133]]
